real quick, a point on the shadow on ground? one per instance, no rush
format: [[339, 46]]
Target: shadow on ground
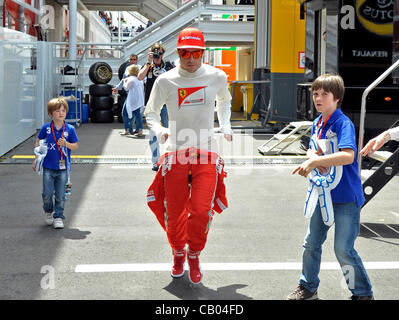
[[182, 288]]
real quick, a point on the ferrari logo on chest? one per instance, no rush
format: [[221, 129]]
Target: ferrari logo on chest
[[191, 96], [182, 93]]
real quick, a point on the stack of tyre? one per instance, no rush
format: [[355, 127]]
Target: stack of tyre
[[101, 99], [122, 92]]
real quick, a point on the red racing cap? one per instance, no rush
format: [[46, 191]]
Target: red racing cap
[[191, 38]]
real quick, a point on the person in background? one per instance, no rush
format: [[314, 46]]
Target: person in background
[[154, 67], [127, 123], [135, 98], [60, 138]]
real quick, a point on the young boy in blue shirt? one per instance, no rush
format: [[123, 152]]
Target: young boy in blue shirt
[[60, 138], [346, 197]]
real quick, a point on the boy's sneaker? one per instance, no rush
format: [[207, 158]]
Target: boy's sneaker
[[362, 297], [301, 293], [179, 257], [48, 217], [58, 224], [195, 274]]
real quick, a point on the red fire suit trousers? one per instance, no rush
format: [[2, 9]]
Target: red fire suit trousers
[[185, 211]]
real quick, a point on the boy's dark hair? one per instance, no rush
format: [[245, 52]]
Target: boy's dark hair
[[330, 83]]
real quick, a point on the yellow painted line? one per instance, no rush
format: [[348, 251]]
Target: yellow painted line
[[23, 157]]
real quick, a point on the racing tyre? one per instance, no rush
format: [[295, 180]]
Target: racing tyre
[[100, 72], [100, 90], [122, 69], [102, 116], [102, 103]]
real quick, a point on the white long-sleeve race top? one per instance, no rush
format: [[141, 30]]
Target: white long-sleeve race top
[[190, 99], [394, 133]]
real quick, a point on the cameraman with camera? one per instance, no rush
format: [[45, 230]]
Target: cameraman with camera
[[154, 67]]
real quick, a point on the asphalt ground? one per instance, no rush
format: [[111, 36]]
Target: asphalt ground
[[112, 247]]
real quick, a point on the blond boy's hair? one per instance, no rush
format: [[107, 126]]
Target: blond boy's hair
[[55, 104], [330, 83], [134, 70]]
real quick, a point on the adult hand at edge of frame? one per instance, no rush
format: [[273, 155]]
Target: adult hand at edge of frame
[[164, 137], [228, 137], [373, 145]]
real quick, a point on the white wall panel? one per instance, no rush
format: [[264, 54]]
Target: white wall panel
[[17, 88]]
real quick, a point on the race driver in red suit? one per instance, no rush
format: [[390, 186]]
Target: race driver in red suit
[[186, 208]]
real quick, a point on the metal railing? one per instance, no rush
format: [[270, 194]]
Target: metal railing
[[156, 26], [363, 109], [189, 14], [164, 30], [90, 50]]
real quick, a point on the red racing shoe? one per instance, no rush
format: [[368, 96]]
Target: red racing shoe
[[179, 257], [195, 275]]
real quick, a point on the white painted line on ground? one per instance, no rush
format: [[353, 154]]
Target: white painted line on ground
[[123, 267], [239, 266], [392, 228], [370, 230], [395, 214]]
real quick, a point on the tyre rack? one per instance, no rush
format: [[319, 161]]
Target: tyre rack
[[72, 81]]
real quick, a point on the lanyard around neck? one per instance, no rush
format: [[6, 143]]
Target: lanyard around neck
[[322, 127], [56, 142]]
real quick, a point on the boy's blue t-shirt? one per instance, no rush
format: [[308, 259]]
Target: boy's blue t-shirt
[[51, 161], [349, 189]]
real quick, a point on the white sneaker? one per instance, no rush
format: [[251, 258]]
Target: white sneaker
[[48, 217], [58, 224]]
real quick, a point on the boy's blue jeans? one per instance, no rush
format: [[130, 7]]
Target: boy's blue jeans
[[54, 185], [347, 226], [154, 144]]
